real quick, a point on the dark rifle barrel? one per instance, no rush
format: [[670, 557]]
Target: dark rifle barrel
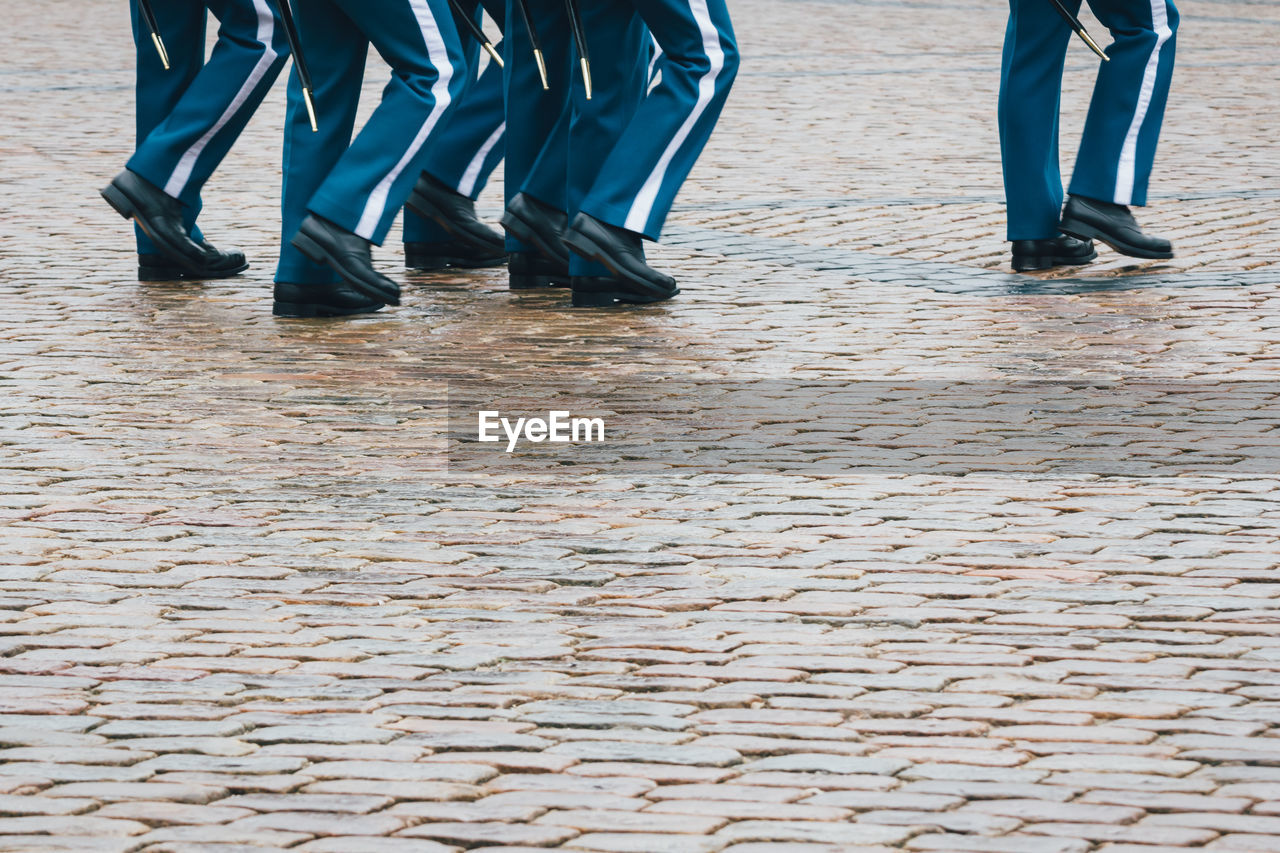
[[149, 15], [299, 61], [1079, 29], [580, 39], [534, 41], [475, 30]]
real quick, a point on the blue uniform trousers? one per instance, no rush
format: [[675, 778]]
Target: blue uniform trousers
[[472, 145], [622, 156], [1119, 144], [189, 116], [361, 186]]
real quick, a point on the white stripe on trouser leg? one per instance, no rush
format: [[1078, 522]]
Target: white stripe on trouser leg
[[1129, 151], [642, 207], [187, 162], [472, 175], [438, 55]]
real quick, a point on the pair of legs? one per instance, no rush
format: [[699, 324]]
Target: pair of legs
[[190, 115], [1118, 147], [620, 157], [340, 196]]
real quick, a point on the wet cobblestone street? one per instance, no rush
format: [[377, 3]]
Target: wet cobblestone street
[[248, 601]]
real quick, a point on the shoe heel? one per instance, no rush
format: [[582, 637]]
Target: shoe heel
[[294, 309], [1080, 231], [308, 247], [160, 274], [118, 201], [594, 299]]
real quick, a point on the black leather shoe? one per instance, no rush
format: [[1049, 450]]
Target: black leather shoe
[[1060, 251], [221, 265], [602, 291], [438, 256], [346, 254], [622, 252], [160, 215], [456, 214], [529, 270], [539, 225], [1113, 224], [320, 300]]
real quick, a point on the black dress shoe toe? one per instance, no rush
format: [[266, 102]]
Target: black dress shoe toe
[[346, 254], [622, 252], [456, 214], [603, 291], [320, 300], [1113, 224], [161, 217], [539, 225], [1060, 251], [530, 270], [438, 256]]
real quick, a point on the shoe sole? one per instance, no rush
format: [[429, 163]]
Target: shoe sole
[[439, 262], [530, 281], [126, 207], [1041, 262], [526, 234], [314, 309], [168, 274], [1085, 231], [318, 254], [589, 249]]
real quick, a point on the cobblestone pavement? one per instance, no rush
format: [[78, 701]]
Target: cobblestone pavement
[[245, 604]]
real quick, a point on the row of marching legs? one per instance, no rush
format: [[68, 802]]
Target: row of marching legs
[[598, 130]]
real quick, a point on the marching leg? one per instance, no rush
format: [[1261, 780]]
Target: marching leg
[[337, 53], [1035, 51], [1119, 146], [164, 176], [182, 27], [619, 42], [537, 155], [355, 205], [638, 183], [441, 228]]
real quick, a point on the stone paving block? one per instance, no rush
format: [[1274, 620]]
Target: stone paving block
[[189, 836], [626, 842], [802, 847], [85, 844], [504, 834], [1246, 843], [375, 844], [629, 821], [328, 803], [391, 771], [155, 813], [320, 823], [1007, 844], [16, 805], [123, 791], [57, 825], [804, 831]]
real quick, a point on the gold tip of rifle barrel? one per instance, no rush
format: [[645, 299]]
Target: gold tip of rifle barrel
[[311, 110], [1093, 45], [164, 54], [586, 76], [542, 70]]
